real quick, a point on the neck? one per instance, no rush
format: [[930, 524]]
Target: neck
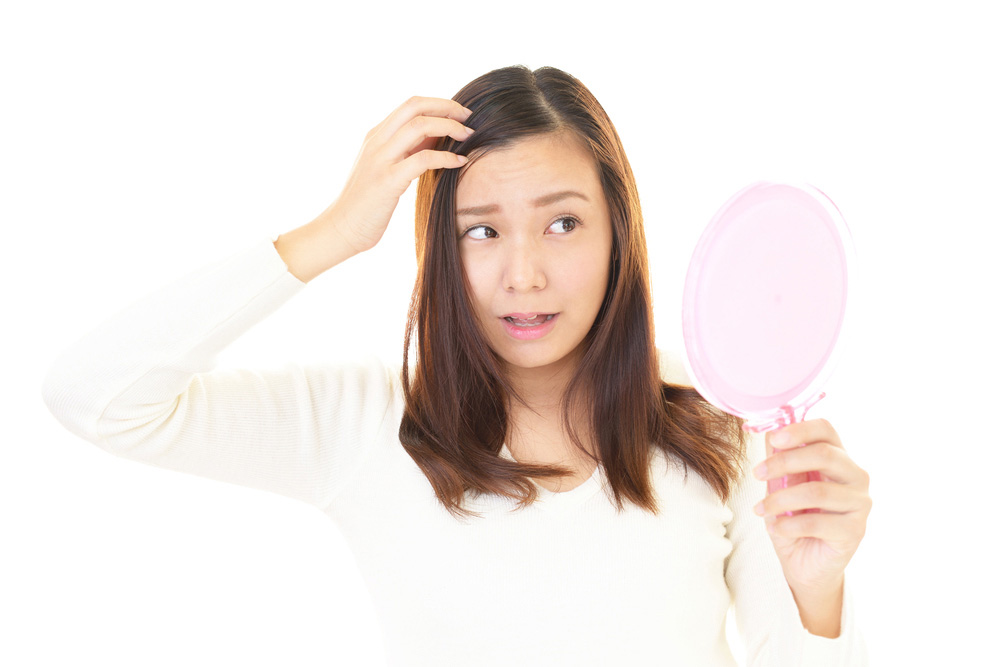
[[542, 389], [536, 423]]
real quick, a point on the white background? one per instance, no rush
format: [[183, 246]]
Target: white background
[[140, 141]]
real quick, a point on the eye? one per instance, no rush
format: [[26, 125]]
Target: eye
[[563, 225], [480, 232]]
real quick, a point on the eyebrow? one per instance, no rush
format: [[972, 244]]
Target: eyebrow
[[544, 200]]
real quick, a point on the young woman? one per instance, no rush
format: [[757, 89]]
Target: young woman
[[537, 486]]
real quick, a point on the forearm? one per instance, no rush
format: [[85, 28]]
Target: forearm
[[313, 248], [820, 611], [126, 375]]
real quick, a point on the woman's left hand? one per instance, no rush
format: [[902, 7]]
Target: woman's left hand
[[814, 547]]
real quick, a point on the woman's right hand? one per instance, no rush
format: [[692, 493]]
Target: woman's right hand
[[394, 152]]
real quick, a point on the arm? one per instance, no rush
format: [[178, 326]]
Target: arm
[[313, 248], [143, 386], [396, 151], [777, 628], [820, 611]]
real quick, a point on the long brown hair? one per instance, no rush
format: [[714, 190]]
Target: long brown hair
[[455, 421]]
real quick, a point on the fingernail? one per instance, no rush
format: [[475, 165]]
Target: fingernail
[[468, 129], [759, 509], [760, 472]]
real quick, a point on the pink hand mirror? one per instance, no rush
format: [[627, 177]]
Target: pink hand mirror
[[764, 304]]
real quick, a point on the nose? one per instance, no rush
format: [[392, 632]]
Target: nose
[[523, 270]]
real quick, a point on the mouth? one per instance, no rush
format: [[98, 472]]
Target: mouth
[[527, 320]]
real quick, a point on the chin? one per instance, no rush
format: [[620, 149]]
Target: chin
[[537, 359]]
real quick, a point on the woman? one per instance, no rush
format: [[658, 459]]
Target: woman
[[539, 486]]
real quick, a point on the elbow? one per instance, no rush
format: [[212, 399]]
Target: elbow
[[66, 398], [116, 421]]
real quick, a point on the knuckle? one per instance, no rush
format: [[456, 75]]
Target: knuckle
[[809, 523], [420, 123], [425, 157], [820, 493]]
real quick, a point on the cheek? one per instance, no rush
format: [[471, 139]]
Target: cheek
[[586, 273], [478, 275]]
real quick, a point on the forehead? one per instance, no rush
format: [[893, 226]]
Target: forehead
[[529, 168]]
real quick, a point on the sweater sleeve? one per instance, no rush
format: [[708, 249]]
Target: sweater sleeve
[[143, 386], [766, 613]]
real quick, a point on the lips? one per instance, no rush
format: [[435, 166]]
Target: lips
[[528, 319], [529, 326]]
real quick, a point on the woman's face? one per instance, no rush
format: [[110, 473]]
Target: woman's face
[[537, 259]]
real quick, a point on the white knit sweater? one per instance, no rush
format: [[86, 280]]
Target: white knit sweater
[[567, 581]]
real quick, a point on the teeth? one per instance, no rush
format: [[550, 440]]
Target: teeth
[[529, 322]]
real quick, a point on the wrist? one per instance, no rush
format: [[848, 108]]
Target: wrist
[[820, 607], [312, 249]]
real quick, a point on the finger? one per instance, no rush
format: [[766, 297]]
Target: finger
[[421, 106], [834, 529], [422, 133], [803, 433], [829, 460], [824, 496], [418, 163]]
